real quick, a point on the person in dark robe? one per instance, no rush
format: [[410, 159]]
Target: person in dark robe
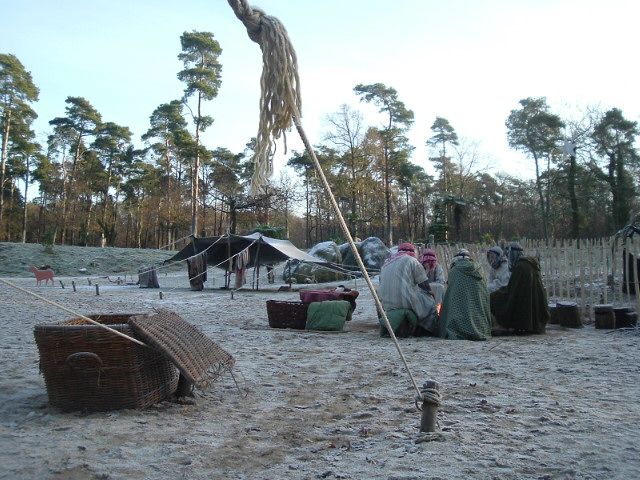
[[521, 306], [465, 311]]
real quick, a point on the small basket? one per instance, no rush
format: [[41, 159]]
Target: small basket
[[86, 367], [287, 314]]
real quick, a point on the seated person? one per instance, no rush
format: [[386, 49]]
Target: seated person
[[434, 270], [466, 314], [404, 285], [499, 273], [435, 274], [522, 305]]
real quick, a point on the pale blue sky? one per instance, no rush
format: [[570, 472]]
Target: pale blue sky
[[468, 61]]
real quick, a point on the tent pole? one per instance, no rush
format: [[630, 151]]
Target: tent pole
[[256, 270], [229, 268]]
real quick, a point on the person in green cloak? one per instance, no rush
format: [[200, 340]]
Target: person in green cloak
[[521, 307], [465, 313]]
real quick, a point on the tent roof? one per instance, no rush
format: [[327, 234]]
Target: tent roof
[[267, 251]]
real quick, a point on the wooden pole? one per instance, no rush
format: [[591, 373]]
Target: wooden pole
[[565, 269], [229, 265], [620, 259], [256, 270], [614, 268], [627, 277], [573, 270], [636, 284], [552, 264], [605, 255], [583, 292]]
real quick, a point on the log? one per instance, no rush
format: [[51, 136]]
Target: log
[[568, 314], [605, 318], [625, 317]]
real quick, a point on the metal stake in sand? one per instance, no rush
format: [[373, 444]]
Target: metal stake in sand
[[280, 104]]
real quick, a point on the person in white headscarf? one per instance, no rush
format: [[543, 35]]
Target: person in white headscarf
[[404, 285], [499, 273]]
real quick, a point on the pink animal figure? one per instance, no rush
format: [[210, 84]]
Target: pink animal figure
[[45, 275]]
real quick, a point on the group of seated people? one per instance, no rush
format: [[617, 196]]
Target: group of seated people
[[512, 301]]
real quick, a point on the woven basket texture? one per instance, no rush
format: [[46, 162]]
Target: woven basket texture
[[287, 314], [198, 358], [86, 367]]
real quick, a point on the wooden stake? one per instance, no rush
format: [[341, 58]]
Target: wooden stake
[[73, 285], [61, 284], [97, 289]]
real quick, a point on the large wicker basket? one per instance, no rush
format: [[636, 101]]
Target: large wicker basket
[[86, 367], [287, 314]]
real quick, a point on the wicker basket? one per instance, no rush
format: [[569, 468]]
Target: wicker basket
[[86, 367], [287, 314]]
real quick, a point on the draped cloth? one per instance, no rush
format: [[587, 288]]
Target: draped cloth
[[398, 288], [148, 277], [197, 268], [466, 314], [499, 277], [522, 304], [242, 260]]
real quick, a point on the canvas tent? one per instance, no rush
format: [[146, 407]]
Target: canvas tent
[[262, 251]]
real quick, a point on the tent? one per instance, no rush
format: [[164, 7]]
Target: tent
[[262, 251]]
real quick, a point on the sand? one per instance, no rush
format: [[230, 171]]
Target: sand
[[562, 405]]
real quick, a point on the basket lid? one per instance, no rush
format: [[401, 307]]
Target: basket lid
[[197, 357]]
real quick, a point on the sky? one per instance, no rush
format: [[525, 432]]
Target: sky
[[468, 61]]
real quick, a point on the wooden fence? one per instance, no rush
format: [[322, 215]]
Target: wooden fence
[[588, 272]]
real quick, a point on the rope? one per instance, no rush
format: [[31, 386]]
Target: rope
[[68, 310], [174, 242], [214, 266], [280, 85], [429, 395]]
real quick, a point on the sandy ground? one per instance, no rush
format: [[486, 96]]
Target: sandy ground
[[559, 406]]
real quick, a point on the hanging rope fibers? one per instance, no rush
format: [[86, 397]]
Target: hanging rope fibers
[[280, 104]]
